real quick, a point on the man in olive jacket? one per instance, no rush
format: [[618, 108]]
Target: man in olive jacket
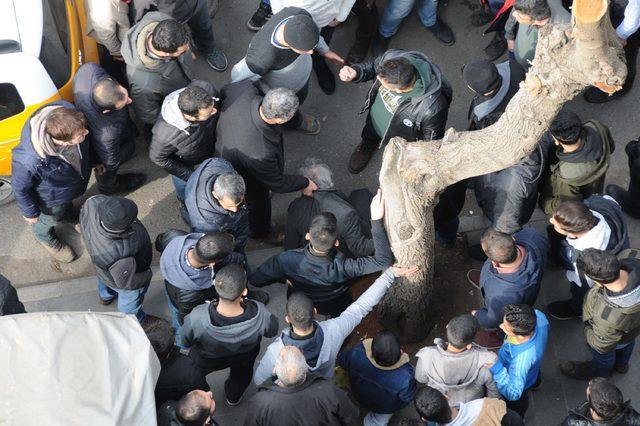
[[611, 312]]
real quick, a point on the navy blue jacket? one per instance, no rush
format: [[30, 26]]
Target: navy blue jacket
[[379, 390], [521, 286], [205, 213], [46, 182]]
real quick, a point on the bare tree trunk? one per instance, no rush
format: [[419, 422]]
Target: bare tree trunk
[[568, 59]]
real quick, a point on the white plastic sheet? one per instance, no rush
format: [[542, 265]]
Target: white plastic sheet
[[76, 368]]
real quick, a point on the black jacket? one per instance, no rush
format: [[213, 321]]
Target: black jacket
[[324, 278], [579, 416], [9, 302], [107, 130], [353, 233], [419, 118], [178, 376], [317, 401], [122, 260], [167, 415], [253, 147], [178, 145]]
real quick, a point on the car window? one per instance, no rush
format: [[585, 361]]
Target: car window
[[54, 51], [10, 101]]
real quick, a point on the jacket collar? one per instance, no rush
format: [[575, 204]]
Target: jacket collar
[[404, 358], [272, 386]]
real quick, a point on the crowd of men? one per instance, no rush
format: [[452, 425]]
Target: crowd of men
[[224, 152]]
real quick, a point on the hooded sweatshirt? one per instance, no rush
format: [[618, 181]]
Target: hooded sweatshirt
[[44, 145], [177, 271], [520, 286], [463, 376]]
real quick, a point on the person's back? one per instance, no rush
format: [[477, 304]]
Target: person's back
[[194, 409], [9, 302]]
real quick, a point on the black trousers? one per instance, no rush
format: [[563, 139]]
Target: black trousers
[[108, 181], [367, 19], [115, 69], [201, 27], [259, 205], [319, 63]]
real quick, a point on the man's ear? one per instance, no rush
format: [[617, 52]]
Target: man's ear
[[315, 312], [307, 236], [336, 244], [446, 397], [214, 111], [105, 111], [286, 319], [245, 292]]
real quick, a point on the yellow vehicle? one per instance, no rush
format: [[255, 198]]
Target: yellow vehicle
[[42, 45]]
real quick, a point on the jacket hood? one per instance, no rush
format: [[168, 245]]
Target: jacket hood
[[133, 48], [271, 386], [171, 113], [612, 213], [595, 149], [454, 371], [404, 358], [629, 301], [231, 333], [325, 351], [170, 262], [310, 347]]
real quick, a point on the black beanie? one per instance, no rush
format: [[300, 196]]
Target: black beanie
[[301, 33], [481, 76], [117, 214]]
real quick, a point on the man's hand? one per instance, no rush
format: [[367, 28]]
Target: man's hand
[[404, 271], [100, 169], [308, 191], [347, 74], [511, 44], [377, 206], [334, 57], [474, 312], [118, 58], [32, 220], [334, 23]]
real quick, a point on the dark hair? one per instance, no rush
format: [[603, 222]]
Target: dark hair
[[323, 231], [599, 265], [574, 216], [566, 127], [385, 348], [169, 35], [521, 318], [161, 335], [605, 398], [431, 404], [534, 9], [461, 330], [397, 71], [230, 281], [192, 410], [300, 310], [192, 99], [499, 247], [214, 246], [64, 123], [107, 92]]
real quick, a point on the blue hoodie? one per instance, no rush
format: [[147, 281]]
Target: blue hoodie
[[175, 269], [521, 286]]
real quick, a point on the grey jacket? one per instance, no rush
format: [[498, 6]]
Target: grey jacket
[[335, 331], [463, 377]]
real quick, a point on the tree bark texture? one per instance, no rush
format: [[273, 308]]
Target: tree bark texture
[[568, 59]]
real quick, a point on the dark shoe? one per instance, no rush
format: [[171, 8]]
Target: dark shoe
[[72, 216], [562, 310], [106, 302], [496, 46], [60, 251], [359, 50], [594, 95], [232, 403], [274, 238], [127, 182], [361, 157], [326, 79], [473, 276], [260, 17], [489, 339], [442, 32], [309, 125], [621, 369], [577, 370], [476, 253], [616, 192], [217, 60], [379, 44], [259, 296]]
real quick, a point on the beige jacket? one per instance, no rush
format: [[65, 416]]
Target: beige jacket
[[107, 23]]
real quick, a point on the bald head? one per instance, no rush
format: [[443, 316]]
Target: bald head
[[109, 95], [291, 366]]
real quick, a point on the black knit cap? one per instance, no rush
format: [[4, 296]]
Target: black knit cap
[[301, 33], [481, 76], [117, 214]]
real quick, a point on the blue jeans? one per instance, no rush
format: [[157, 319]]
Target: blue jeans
[[602, 364], [129, 301], [48, 219], [397, 10], [180, 186], [174, 320]]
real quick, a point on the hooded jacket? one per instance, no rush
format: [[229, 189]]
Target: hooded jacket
[[253, 147], [421, 117], [578, 175], [9, 302], [122, 260], [150, 80], [177, 145], [613, 319], [463, 376], [580, 416], [377, 388], [521, 286], [205, 213], [317, 401], [42, 176], [334, 331], [209, 341]]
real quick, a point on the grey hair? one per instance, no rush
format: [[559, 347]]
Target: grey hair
[[280, 103], [230, 185], [291, 366], [317, 171]]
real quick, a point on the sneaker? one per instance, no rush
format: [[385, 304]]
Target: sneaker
[[496, 46], [309, 125], [106, 302], [442, 32], [562, 310], [127, 182], [593, 95], [473, 276], [232, 403], [258, 296], [359, 50], [217, 60], [621, 369], [577, 370], [489, 339], [379, 44], [60, 251], [260, 17], [361, 157]]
